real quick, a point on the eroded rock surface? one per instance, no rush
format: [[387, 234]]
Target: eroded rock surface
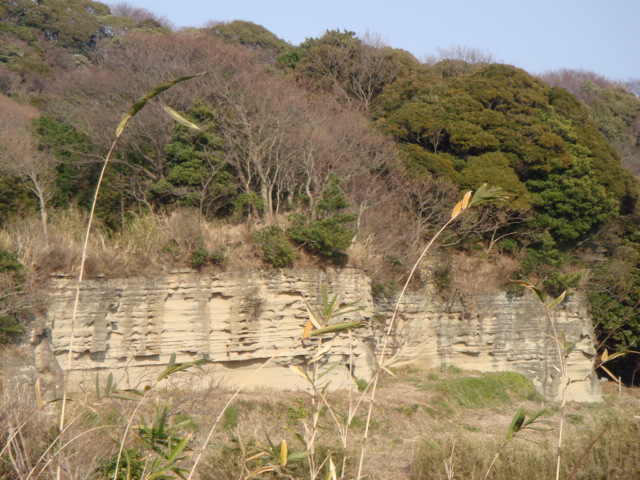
[[132, 326]]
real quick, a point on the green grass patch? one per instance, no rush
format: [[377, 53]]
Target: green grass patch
[[487, 390]]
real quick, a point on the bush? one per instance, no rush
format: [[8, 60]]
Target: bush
[[12, 284], [199, 257], [276, 249], [326, 237]]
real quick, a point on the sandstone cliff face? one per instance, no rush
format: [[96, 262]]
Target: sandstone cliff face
[[493, 331], [132, 326]]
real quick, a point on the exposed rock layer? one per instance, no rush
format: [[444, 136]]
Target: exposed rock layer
[[132, 326]]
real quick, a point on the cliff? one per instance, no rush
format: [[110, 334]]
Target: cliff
[[131, 326]]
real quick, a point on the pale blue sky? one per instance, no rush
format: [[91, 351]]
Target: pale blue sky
[[538, 35]]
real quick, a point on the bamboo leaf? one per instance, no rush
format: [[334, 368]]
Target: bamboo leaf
[[456, 210], [557, 301], [388, 371], [179, 367], [327, 371], [516, 423], [528, 285], [180, 119], [283, 453], [488, 194], [534, 417], [312, 318], [122, 124], [331, 470], [330, 309], [140, 104], [177, 450], [307, 329], [300, 372], [274, 451], [302, 440], [297, 456], [39, 394], [169, 368], [98, 395], [135, 392], [260, 471], [465, 199], [619, 354], [109, 385], [321, 353], [399, 364], [608, 372], [261, 454], [337, 327]]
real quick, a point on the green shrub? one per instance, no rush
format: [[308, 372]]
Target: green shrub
[[328, 235], [199, 258], [10, 329], [230, 418], [362, 384], [132, 465], [297, 411], [384, 291], [12, 276], [508, 245], [276, 249]]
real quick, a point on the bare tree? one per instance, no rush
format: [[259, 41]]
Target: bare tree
[[580, 83], [138, 14], [259, 115], [21, 156], [355, 70], [460, 53]]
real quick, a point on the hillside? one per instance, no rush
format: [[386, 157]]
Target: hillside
[[338, 150]]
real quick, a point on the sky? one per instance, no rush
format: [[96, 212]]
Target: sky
[[602, 36]]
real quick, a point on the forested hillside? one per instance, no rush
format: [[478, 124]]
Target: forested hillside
[[339, 150]]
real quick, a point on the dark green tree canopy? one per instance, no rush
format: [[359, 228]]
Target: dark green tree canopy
[[498, 122], [248, 34]]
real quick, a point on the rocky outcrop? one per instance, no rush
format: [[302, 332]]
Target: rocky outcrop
[[494, 331], [132, 326]]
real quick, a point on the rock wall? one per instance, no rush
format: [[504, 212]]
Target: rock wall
[[132, 326], [494, 331]]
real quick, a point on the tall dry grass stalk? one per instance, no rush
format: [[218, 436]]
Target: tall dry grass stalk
[[135, 108], [482, 195]]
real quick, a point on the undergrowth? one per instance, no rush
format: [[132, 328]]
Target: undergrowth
[[613, 455], [402, 425]]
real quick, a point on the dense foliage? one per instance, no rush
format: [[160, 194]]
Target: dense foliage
[[319, 146]]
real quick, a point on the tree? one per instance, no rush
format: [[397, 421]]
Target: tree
[[197, 170], [571, 203], [248, 34], [14, 301], [258, 114], [142, 16], [327, 235], [352, 68], [21, 156], [460, 53]]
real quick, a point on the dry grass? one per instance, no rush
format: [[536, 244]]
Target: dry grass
[[149, 244], [415, 407], [471, 275]]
